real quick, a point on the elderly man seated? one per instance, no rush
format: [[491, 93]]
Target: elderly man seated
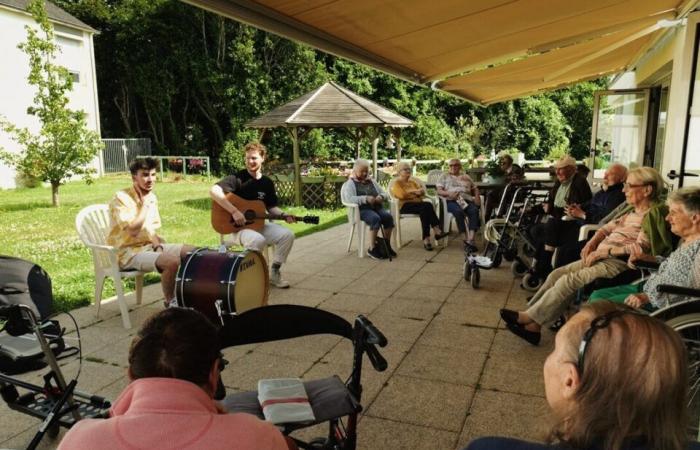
[[362, 190], [512, 173], [639, 230], [463, 200], [681, 268], [174, 370], [571, 188], [609, 197]]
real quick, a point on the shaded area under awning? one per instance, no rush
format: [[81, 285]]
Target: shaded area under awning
[[441, 42]]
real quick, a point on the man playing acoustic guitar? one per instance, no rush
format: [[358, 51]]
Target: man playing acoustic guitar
[[251, 184]]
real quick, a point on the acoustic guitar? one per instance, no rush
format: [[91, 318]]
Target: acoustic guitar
[[254, 212]]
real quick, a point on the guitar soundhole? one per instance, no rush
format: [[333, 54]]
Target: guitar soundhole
[[249, 214]]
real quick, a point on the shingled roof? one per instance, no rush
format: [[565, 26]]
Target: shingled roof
[[330, 106], [55, 13]]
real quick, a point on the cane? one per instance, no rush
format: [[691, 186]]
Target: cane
[[384, 241]]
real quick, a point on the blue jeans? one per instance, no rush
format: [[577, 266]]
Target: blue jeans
[[376, 217], [471, 212]]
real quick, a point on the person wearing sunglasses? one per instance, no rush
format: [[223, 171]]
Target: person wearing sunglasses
[[640, 229], [616, 380]]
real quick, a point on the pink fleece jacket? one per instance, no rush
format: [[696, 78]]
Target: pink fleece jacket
[[166, 413]]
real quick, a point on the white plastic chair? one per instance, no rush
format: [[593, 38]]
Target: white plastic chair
[[356, 226], [397, 215], [434, 175], [93, 225]]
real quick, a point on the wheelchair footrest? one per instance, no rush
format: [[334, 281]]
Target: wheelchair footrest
[[329, 398], [40, 406]]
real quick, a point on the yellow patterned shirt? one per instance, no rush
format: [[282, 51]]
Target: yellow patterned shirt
[[123, 209]]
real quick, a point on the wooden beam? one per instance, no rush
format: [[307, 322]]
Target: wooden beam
[[294, 133]]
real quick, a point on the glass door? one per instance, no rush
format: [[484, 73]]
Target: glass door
[[689, 173], [619, 128]]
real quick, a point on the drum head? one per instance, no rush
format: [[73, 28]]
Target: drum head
[[252, 282]]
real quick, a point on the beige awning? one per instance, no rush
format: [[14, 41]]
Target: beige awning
[[457, 45]]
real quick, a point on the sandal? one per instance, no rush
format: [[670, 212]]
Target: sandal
[[439, 236], [428, 246]]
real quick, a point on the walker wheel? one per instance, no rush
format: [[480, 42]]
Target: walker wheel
[[531, 282], [467, 270], [518, 269], [476, 278]]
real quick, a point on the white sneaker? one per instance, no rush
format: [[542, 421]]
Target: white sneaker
[[277, 281]]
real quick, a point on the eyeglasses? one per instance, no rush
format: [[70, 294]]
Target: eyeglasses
[[630, 185], [598, 323], [455, 165], [405, 169]]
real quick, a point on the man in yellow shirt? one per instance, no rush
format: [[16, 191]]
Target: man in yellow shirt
[[134, 220]]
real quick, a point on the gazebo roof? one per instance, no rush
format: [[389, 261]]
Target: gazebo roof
[[330, 106]]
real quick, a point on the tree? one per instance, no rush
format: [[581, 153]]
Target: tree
[[63, 146]]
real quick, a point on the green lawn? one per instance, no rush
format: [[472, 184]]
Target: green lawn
[[32, 229]]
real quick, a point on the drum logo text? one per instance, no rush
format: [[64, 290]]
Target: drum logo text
[[245, 265]]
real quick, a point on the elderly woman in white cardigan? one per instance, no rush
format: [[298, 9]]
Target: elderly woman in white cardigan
[[362, 190]]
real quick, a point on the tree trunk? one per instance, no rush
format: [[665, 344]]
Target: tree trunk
[[54, 194]]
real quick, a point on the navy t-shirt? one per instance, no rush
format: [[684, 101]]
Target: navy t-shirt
[[245, 186]]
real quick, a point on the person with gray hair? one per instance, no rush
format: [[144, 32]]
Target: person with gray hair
[[681, 268], [362, 190], [410, 193], [463, 200], [640, 229]]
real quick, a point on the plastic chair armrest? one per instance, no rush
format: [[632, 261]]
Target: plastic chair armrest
[[586, 230]]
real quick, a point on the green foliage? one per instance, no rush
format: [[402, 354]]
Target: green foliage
[[190, 80], [54, 244], [64, 145], [557, 152], [429, 152]]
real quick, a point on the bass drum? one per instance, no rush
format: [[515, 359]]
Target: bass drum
[[220, 284]]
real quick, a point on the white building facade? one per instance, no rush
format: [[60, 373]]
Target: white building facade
[[75, 40]]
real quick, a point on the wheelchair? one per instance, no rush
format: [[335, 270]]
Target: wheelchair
[[332, 400], [31, 340]]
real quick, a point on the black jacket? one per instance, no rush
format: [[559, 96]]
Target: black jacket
[[579, 192]]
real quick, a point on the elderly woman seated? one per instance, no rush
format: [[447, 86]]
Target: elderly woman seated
[[463, 200], [411, 194], [641, 229], [607, 394], [681, 268], [362, 190]]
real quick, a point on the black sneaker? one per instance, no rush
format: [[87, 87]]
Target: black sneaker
[[391, 250], [374, 254]]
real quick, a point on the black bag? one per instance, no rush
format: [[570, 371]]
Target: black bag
[[25, 283], [381, 247]]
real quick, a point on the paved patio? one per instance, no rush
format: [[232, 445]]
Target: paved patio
[[454, 373]]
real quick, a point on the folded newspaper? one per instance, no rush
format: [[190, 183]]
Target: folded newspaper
[[284, 400]]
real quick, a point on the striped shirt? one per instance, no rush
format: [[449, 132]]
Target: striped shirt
[[626, 233]]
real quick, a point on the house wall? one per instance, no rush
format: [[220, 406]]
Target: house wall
[[16, 94], [673, 55]]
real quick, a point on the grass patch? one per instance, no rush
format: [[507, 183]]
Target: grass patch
[[30, 228]]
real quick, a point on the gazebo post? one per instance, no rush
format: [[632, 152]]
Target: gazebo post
[[397, 133], [294, 132], [375, 141]]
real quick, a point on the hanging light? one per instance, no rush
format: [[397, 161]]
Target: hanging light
[[390, 142]]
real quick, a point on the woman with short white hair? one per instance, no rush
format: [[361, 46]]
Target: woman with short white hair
[[411, 194], [363, 191]]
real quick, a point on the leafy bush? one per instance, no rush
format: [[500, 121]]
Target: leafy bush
[[428, 152]]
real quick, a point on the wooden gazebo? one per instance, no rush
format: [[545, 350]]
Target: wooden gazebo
[[332, 106]]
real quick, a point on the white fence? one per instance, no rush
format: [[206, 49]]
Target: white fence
[[118, 153]]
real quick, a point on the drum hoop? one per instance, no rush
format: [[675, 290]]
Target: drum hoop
[[184, 272], [234, 268]]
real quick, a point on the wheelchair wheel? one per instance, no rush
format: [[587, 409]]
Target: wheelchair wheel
[[531, 282], [467, 271], [518, 268], [476, 278], [688, 326]]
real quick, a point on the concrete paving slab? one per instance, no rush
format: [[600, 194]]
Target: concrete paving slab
[[409, 308], [463, 367], [247, 370], [501, 374], [505, 414], [359, 303], [326, 283], [422, 292], [298, 296], [457, 336], [376, 433], [433, 404], [469, 314]]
